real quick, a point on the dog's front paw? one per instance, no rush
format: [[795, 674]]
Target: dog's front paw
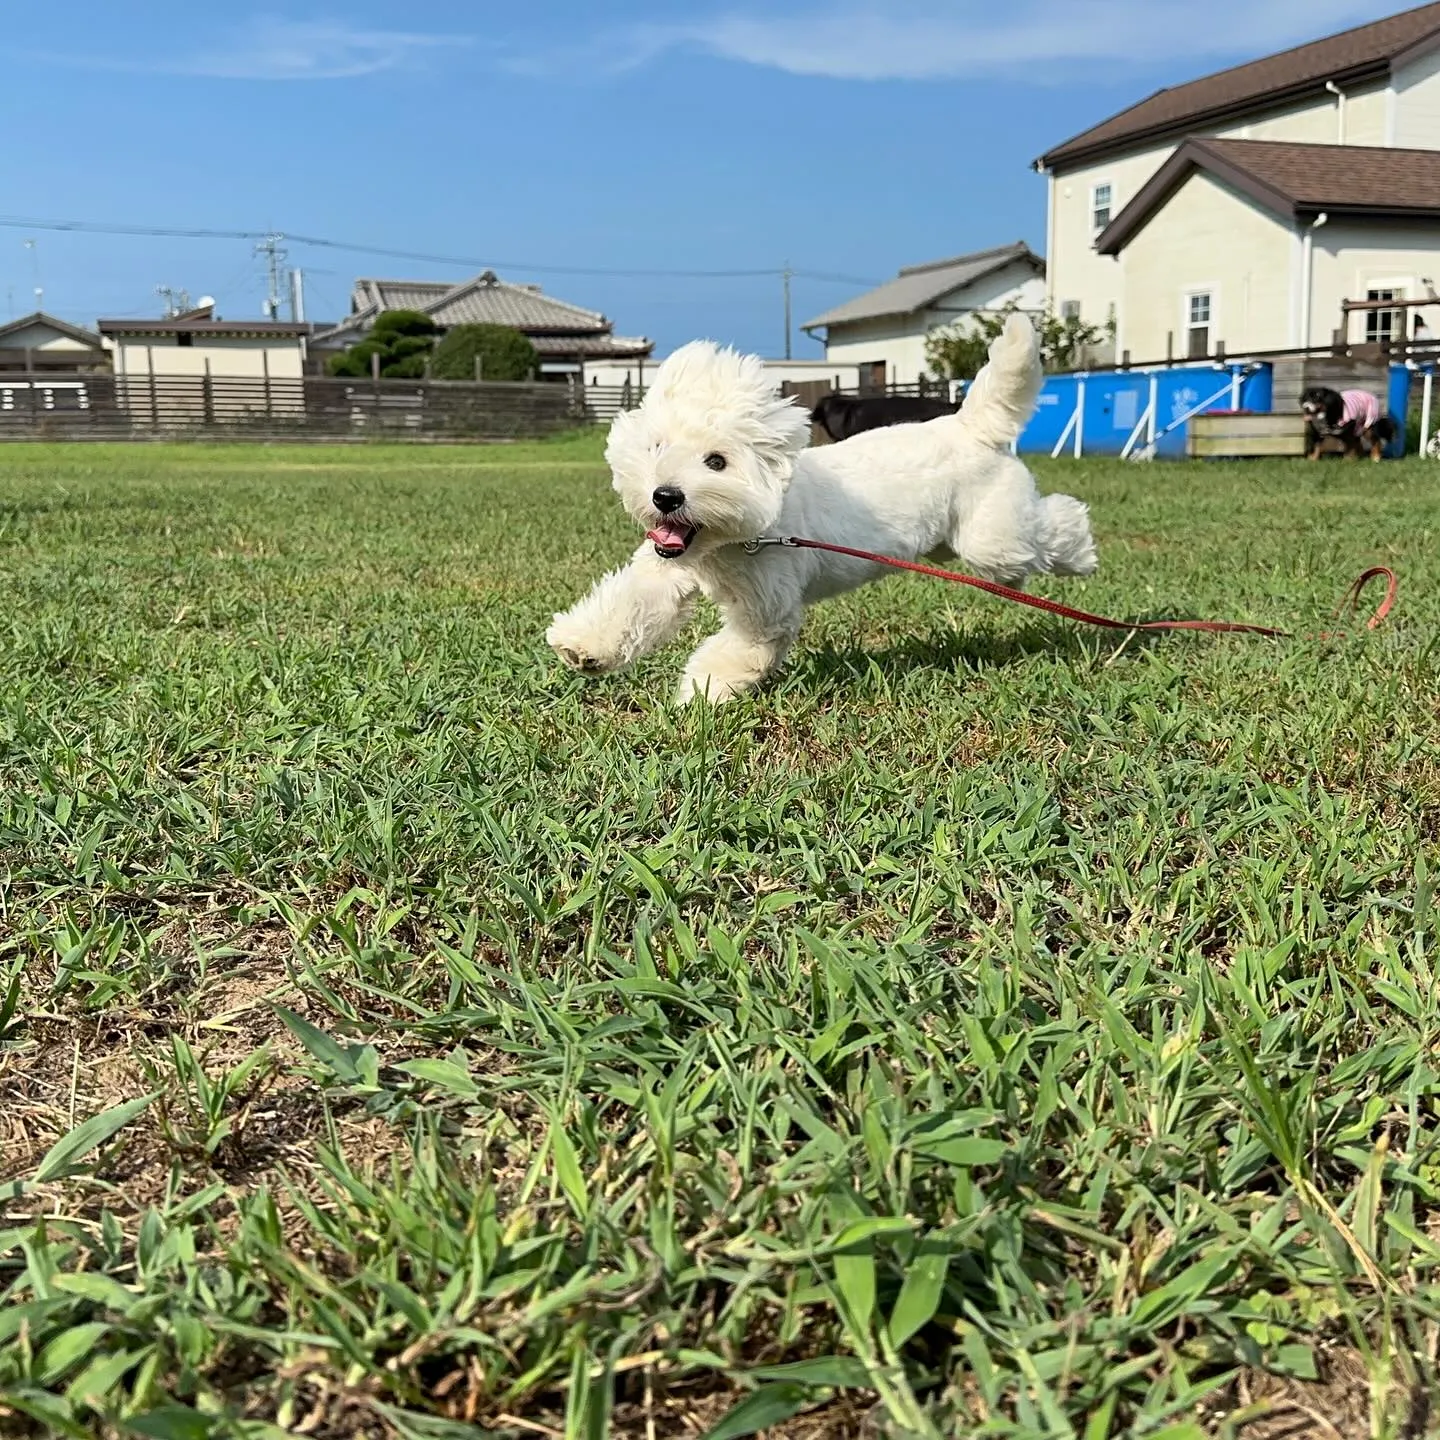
[[706, 687], [578, 649], [579, 660]]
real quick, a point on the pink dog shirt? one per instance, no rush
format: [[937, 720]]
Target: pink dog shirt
[[1362, 408]]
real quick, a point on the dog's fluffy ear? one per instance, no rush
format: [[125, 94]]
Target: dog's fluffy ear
[[626, 444], [788, 425], [775, 427]]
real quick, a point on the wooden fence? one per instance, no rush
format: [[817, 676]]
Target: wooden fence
[[43, 405]]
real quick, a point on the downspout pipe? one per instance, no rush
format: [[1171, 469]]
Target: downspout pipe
[[1307, 274]]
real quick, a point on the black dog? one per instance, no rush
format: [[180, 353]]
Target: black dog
[[841, 416], [1355, 419]]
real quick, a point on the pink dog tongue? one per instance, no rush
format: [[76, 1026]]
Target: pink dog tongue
[[670, 533]]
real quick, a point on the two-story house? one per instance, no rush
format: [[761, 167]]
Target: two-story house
[[1243, 208]]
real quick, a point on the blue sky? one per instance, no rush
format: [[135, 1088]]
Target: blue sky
[[845, 138]]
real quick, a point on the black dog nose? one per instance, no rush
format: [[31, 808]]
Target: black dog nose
[[668, 498]]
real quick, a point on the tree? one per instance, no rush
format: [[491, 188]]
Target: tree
[[958, 351], [403, 339], [503, 354]]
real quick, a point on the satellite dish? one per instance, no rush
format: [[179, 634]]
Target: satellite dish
[[205, 302]]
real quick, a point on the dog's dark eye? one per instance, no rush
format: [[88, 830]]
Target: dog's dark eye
[[715, 461]]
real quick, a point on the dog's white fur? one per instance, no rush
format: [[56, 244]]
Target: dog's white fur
[[949, 488]]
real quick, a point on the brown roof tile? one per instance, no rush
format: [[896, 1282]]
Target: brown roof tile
[[1368, 51], [1293, 180], [484, 299]]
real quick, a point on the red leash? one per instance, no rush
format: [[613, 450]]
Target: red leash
[[1054, 607]]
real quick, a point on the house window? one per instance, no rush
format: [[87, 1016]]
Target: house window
[[1100, 206], [1069, 309], [182, 338], [1383, 327], [1197, 325]]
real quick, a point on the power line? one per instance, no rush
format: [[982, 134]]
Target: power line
[[90, 227], [470, 262], [267, 238]]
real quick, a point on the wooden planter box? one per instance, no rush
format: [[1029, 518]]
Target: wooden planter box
[[1239, 435], [1236, 435]]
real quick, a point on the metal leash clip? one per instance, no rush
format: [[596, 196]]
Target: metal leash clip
[[752, 547]]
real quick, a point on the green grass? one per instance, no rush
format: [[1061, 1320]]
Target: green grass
[[992, 1028]]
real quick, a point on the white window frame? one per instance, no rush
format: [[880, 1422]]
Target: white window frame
[[1095, 189], [1193, 292], [1403, 286]]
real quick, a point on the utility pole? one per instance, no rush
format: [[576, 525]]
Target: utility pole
[[275, 256], [787, 273], [297, 295]]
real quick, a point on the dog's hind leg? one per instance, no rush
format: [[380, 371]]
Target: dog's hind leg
[[738, 656], [1003, 538], [628, 614]]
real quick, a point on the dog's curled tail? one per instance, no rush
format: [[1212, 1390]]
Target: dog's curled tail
[[1002, 398]]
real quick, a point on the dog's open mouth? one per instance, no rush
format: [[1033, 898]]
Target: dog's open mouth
[[672, 537]]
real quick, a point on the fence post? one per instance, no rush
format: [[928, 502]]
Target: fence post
[[479, 368], [265, 367], [34, 396], [1427, 395], [154, 400], [208, 394]]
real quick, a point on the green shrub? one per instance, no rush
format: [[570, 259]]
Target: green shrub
[[957, 352], [403, 339], [404, 322], [503, 353]]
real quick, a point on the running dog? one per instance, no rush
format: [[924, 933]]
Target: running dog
[[714, 458]]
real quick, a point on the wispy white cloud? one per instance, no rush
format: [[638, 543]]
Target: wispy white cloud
[[269, 48], [925, 40]]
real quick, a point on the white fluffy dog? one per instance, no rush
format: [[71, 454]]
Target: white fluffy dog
[[713, 458]]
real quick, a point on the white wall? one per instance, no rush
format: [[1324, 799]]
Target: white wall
[[237, 356], [1417, 104], [1317, 121], [1351, 258], [40, 336], [1076, 272], [899, 341], [1207, 238]]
